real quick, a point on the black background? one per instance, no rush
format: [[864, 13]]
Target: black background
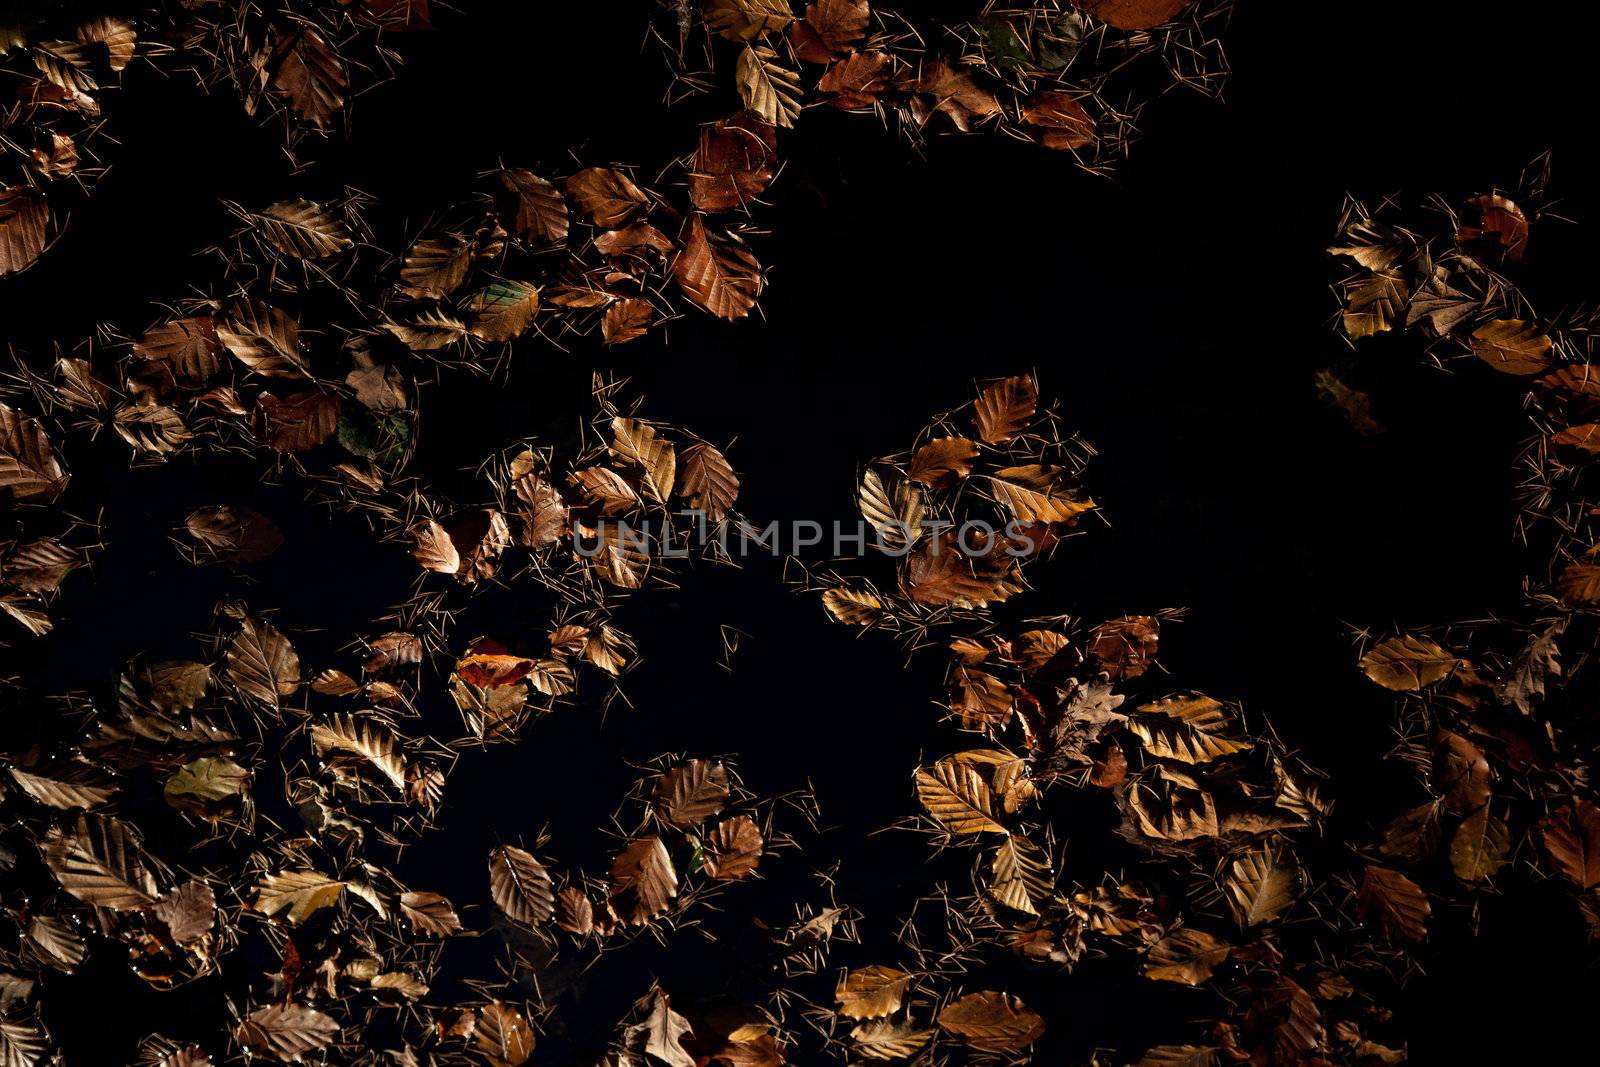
[[1178, 312]]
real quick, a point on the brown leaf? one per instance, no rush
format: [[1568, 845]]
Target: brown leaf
[[959, 797], [312, 76], [982, 701], [1512, 346], [190, 912], [1059, 120], [1407, 663], [942, 462], [520, 885], [262, 663], [769, 89], [1395, 903], [503, 1035], [746, 20], [992, 1022], [100, 862], [1501, 229], [838, 25], [41, 566], [1125, 647], [24, 215], [1005, 408], [532, 208], [435, 267], [853, 607], [189, 346], [1461, 774], [265, 339], [871, 992], [430, 913], [574, 912], [29, 467], [733, 163], [690, 793], [1037, 492], [707, 481], [717, 275], [361, 736], [1373, 304], [1480, 847], [286, 1032], [954, 94], [643, 882], [606, 196], [626, 320], [856, 80], [1134, 14], [1571, 836], [302, 228], [639, 444], [298, 422], [1187, 956], [503, 311], [733, 848], [940, 574]]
